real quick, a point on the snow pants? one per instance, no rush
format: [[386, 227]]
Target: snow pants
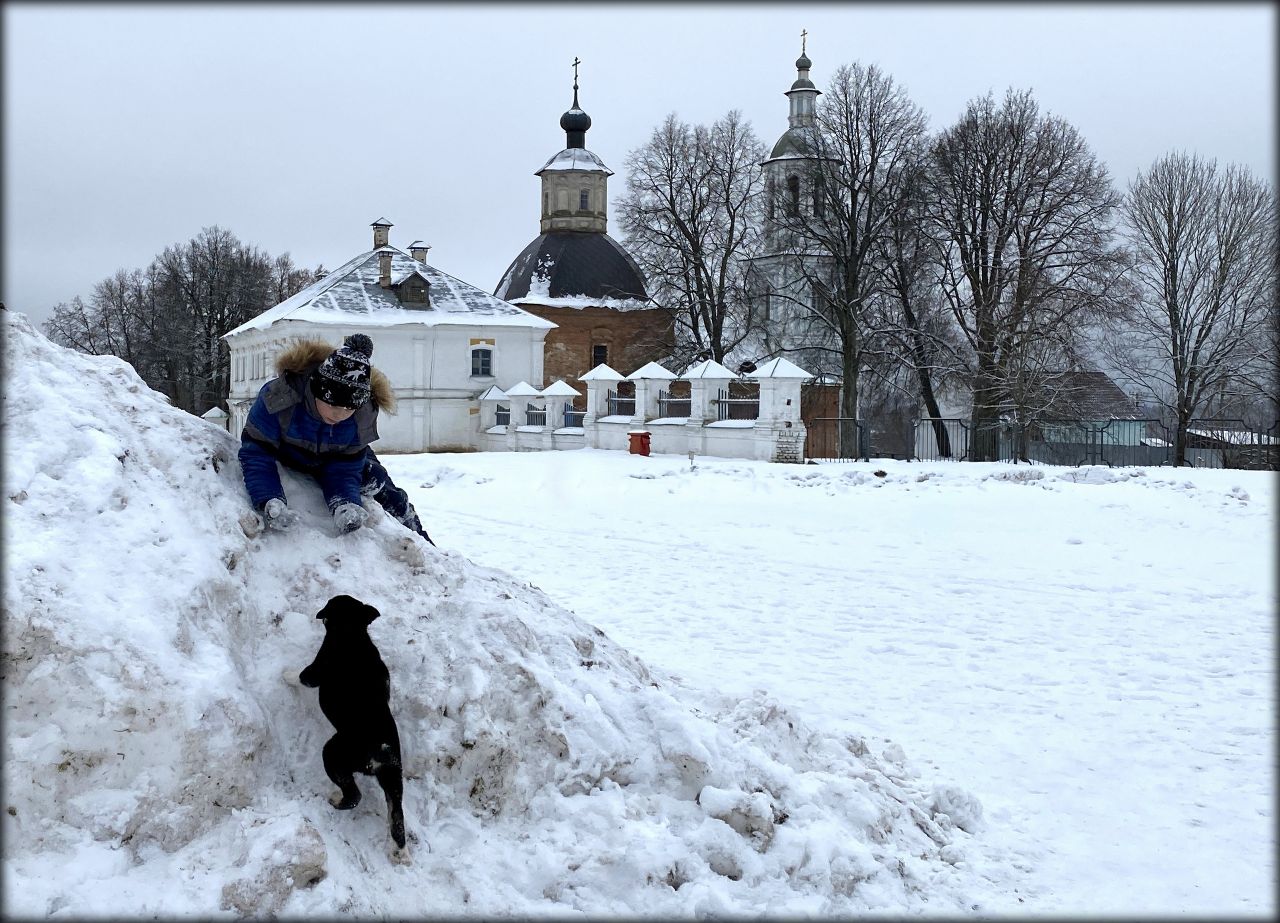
[[376, 483]]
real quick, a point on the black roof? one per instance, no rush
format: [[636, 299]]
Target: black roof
[[576, 263]]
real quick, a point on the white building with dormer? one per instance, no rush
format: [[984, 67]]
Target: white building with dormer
[[442, 342]]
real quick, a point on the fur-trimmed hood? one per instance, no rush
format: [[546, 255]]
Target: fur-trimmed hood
[[303, 356]]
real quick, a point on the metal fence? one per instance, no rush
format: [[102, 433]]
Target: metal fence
[[737, 408], [1115, 443], [621, 406], [503, 416], [573, 417], [535, 416], [669, 406]]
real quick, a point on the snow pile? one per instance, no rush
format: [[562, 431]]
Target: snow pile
[[156, 763]]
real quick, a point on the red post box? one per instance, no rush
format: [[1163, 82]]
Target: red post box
[[639, 442]]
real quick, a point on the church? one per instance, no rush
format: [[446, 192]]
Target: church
[[578, 277]]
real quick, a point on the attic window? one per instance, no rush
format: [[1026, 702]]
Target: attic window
[[414, 290]]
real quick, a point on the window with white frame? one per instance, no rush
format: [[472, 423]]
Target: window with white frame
[[481, 362]]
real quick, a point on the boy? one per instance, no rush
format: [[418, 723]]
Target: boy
[[319, 417]]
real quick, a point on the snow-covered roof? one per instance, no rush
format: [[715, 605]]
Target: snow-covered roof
[[1235, 436], [396, 280], [779, 368], [708, 369], [650, 370], [576, 158], [493, 393], [523, 389], [601, 372], [560, 389], [351, 296]]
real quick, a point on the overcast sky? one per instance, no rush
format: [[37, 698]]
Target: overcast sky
[[128, 128]]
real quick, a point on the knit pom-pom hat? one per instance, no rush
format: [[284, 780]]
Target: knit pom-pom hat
[[342, 379]]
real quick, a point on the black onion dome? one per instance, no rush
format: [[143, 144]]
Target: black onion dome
[[575, 120], [803, 62], [576, 264]]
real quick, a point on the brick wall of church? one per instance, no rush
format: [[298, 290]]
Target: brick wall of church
[[632, 338]]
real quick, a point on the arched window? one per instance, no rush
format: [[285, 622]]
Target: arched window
[[793, 195], [584, 199], [481, 362], [819, 197]]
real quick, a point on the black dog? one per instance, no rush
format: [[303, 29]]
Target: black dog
[[355, 695]]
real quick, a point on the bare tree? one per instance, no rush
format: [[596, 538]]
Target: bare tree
[[916, 335], [837, 218], [1023, 212], [167, 320], [691, 217], [1202, 337]]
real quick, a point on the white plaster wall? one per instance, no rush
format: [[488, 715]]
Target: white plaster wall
[[429, 368]]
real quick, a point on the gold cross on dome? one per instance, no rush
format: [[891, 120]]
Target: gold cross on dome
[[804, 34]]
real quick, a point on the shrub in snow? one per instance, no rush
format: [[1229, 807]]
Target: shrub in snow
[[157, 763]]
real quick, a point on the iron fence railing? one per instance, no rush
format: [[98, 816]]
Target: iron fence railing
[[669, 406], [535, 416], [573, 417], [737, 408], [1116, 443], [621, 406], [504, 416]]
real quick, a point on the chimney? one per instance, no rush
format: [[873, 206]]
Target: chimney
[[384, 268], [419, 250], [381, 232]]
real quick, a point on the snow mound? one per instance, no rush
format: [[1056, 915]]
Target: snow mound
[[1016, 475], [157, 764], [1096, 474]]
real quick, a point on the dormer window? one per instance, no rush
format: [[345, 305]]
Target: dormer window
[[414, 289]]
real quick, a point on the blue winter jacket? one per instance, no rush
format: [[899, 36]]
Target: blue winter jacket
[[284, 427]]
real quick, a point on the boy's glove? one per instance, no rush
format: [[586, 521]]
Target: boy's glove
[[349, 516], [277, 515]]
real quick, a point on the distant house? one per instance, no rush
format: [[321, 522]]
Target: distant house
[[1219, 444], [440, 341], [1069, 418]]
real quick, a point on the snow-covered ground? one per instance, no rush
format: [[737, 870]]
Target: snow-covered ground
[[1089, 651], [780, 690]]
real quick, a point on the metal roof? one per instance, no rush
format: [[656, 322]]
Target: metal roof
[[570, 264]]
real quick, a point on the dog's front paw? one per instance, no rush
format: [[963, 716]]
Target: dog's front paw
[[399, 855], [343, 803], [292, 677]]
